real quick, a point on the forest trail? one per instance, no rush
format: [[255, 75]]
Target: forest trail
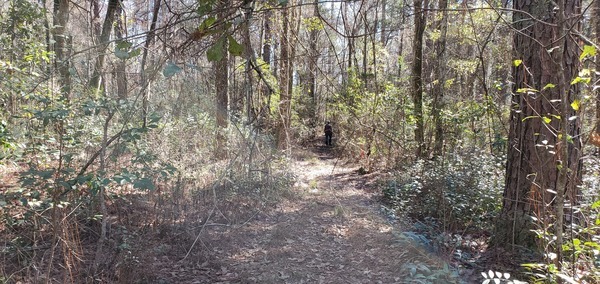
[[332, 232]]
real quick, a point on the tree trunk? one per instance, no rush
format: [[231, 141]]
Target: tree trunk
[[596, 137], [62, 45], [416, 76], [266, 57], [284, 82], [440, 70], [312, 68], [120, 69], [221, 87], [143, 72], [544, 146], [383, 23], [103, 41], [249, 56]]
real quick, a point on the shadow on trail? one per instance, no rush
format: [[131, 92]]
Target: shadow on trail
[[319, 239], [324, 152], [329, 231]]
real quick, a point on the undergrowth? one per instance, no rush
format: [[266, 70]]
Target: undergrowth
[[451, 202], [156, 197], [459, 192]]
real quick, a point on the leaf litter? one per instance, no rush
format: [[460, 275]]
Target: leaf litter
[[334, 234]]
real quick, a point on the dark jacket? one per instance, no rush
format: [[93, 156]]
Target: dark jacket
[[328, 129]]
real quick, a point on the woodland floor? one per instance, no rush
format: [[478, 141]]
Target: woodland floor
[[331, 232]]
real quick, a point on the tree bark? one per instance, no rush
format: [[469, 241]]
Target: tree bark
[[120, 69], [221, 87], [143, 72], [383, 23], [103, 41], [266, 57], [417, 75], [544, 145], [597, 30], [284, 82], [438, 89], [250, 58], [62, 45], [312, 68]]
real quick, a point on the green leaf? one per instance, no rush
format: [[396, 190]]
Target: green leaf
[[122, 50], [171, 69], [575, 104], [546, 119], [121, 53], [144, 183], [235, 48], [549, 86], [581, 80], [206, 24], [570, 139], [588, 51], [205, 7], [592, 245], [124, 44], [216, 52], [527, 90], [517, 62], [135, 52], [596, 205]]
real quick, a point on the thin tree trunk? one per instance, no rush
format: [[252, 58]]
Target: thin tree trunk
[[312, 68], [284, 81], [249, 56], [417, 75], [62, 45], [440, 71], [221, 88], [121, 68], [266, 57], [143, 72], [596, 139], [103, 41], [383, 23]]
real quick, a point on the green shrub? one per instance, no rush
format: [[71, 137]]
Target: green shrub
[[459, 191]]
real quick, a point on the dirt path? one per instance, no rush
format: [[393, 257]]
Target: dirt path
[[332, 233]]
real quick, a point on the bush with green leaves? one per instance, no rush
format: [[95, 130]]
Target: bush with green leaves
[[461, 190], [581, 246]]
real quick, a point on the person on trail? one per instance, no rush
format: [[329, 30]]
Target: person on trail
[[328, 133]]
